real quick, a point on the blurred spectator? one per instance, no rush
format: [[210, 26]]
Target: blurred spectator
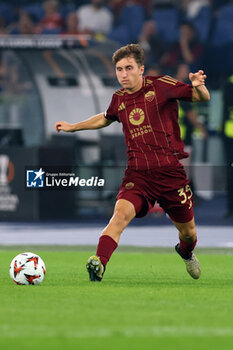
[[52, 22], [153, 71], [192, 8], [117, 5], [72, 28], [151, 43], [2, 26], [15, 80], [188, 50], [72, 25], [95, 18], [227, 132], [25, 25]]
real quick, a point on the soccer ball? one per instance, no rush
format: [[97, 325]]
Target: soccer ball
[[27, 268]]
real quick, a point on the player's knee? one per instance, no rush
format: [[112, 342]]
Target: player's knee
[[188, 231], [120, 218]]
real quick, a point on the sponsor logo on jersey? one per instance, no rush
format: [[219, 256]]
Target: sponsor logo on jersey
[[149, 96], [136, 116], [140, 131]]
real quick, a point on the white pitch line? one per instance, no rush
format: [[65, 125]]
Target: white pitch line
[[129, 331]]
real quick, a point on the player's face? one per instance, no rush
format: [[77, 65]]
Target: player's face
[[129, 74]]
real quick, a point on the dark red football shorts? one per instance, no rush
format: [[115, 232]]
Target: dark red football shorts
[[168, 186]]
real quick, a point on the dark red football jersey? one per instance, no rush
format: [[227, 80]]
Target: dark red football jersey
[[150, 121]]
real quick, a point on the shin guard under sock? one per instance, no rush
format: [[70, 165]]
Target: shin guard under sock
[[105, 248], [186, 248]]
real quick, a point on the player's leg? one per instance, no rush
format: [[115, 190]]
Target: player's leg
[[178, 203], [188, 240], [131, 202], [187, 236], [124, 212]]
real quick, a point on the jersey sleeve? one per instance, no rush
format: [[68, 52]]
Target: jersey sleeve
[[174, 89], [112, 112]]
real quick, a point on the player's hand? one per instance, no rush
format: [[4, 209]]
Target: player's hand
[[198, 78], [64, 126]]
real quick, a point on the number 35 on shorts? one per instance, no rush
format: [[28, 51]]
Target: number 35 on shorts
[[186, 194]]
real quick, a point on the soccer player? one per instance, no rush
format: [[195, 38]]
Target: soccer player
[[147, 108]]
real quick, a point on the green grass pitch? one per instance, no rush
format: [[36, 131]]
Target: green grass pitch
[[145, 301]]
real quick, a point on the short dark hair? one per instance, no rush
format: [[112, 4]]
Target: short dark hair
[[130, 50]]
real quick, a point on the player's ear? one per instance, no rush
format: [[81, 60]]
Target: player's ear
[[142, 68]]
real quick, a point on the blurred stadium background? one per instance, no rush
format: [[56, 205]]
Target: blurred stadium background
[[52, 67]]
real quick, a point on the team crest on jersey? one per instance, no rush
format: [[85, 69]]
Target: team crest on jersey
[[149, 96], [136, 116], [129, 185]]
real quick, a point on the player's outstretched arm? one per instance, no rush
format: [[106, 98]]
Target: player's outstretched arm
[[200, 92], [98, 121]]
